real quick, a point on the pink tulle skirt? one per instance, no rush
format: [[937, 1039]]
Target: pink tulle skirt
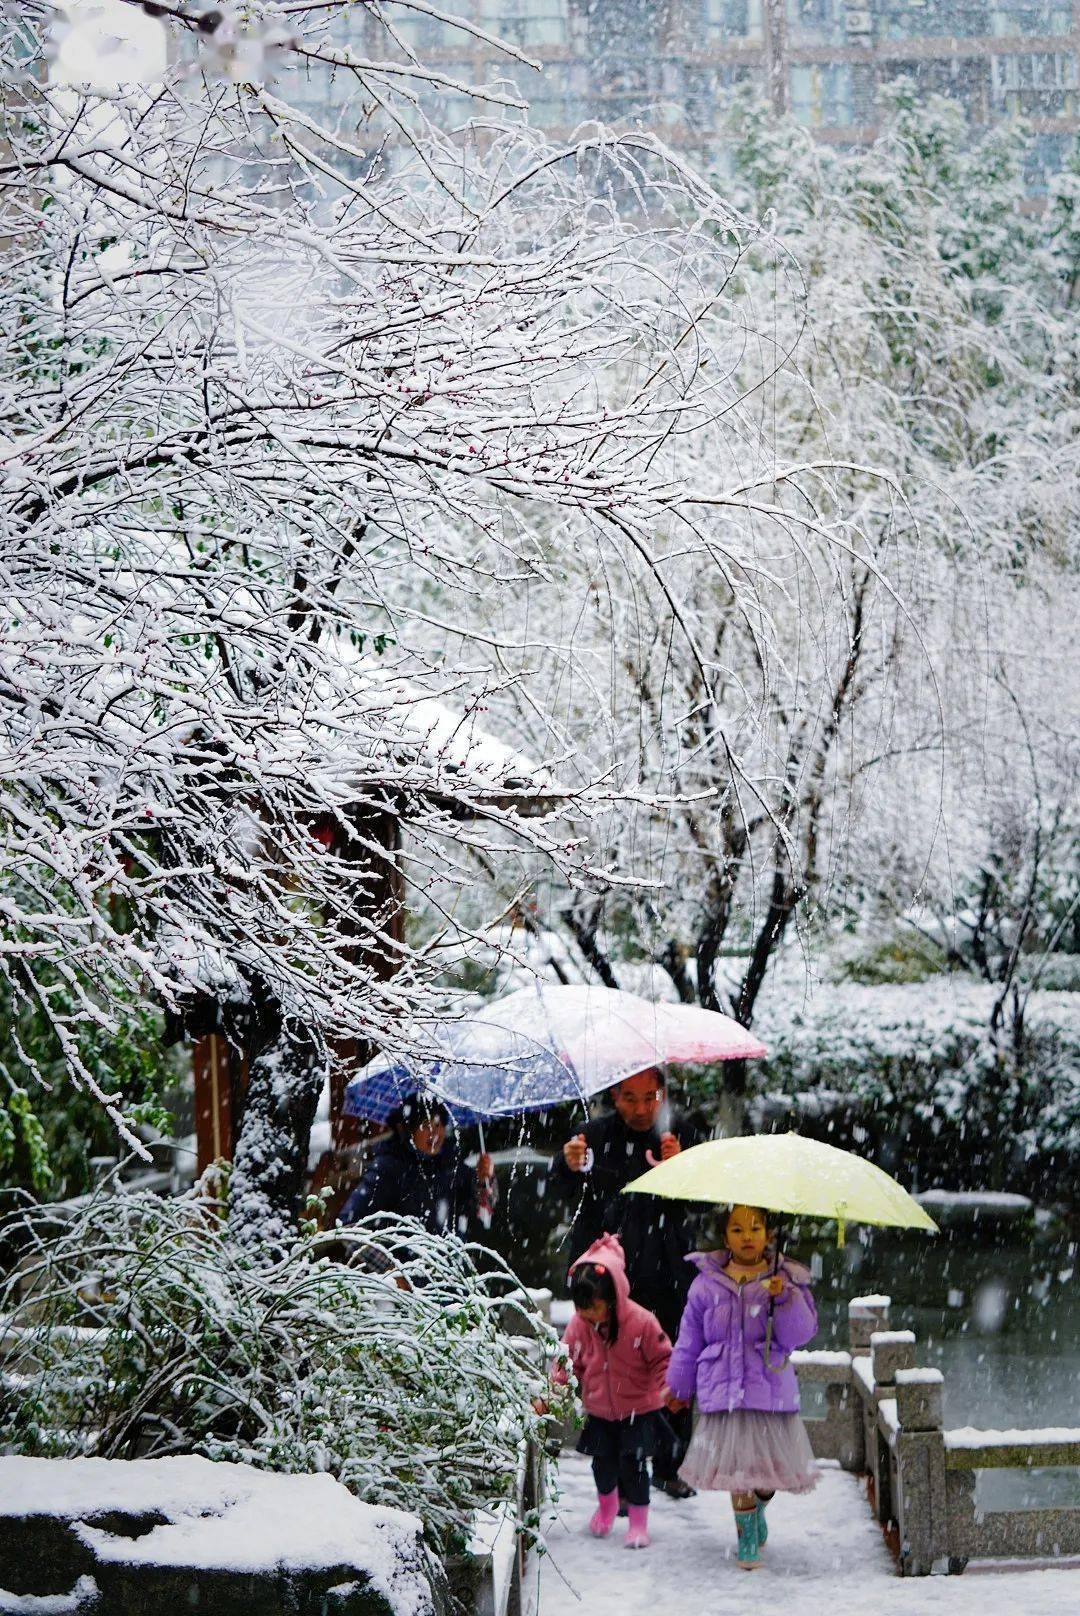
[[747, 1451]]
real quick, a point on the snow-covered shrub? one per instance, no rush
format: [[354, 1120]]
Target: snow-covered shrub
[[916, 1059], [50, 1130], [141, 1329]]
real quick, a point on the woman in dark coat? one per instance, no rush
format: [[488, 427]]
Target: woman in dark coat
[[416, 1173]]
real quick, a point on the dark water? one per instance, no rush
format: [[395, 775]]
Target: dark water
[[997, 1310]]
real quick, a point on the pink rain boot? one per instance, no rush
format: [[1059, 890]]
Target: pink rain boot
[[607, 1507], [637, 1536]]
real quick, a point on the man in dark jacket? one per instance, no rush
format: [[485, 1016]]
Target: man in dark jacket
[[415, 1173], [595, 1165]]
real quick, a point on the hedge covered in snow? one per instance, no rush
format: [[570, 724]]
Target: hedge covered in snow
[[920, 1054], [139, 1329]]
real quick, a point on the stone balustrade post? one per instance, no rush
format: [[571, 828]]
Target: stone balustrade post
[[890, 1351], [922, 1498], [865, 1315]]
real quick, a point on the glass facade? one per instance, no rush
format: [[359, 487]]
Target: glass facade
[[672, 63], [527, 23]]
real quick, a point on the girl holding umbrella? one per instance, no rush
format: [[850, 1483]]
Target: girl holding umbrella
[[749, 1439], [749, 1309]]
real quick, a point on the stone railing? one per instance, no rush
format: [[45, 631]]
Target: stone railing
[[883, 1416], [498, 1574]]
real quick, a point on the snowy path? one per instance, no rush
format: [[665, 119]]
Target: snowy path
[[825, 1557]]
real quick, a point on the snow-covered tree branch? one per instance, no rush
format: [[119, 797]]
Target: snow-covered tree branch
[[297, 390]]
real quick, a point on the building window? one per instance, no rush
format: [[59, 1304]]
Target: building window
[[708, 91], [526, 22], [1036, 83], [1045, 156], [964, 79], [731, 22], [933, 19], [428, 37], [817, 22], [821, 95], [1042, 19]]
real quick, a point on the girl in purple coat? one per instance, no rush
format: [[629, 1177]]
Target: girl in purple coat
[[749, 1439]]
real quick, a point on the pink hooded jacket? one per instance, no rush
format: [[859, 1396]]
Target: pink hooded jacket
[[627, 1377]]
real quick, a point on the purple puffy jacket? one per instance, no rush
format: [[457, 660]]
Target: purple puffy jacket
[[719, 1357]]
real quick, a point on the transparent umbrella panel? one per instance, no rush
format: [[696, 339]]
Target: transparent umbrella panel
[[544, 1046]]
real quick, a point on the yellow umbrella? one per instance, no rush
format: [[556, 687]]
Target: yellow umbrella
[[783, 1172]]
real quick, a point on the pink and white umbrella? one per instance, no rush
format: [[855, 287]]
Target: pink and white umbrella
[[544, 1045]]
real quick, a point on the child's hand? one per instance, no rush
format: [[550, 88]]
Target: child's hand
[[539, 1406], [675, 1405], [775, 1284]]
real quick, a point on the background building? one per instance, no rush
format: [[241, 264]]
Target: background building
[[670, 62]]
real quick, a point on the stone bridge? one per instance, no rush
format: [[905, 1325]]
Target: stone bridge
[[889, 1529]]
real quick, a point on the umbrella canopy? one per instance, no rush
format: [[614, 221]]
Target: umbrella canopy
[[381, 1086], [784, 1172], [543, 1045]]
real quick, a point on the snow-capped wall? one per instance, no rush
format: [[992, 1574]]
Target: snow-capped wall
[[158, 1535]]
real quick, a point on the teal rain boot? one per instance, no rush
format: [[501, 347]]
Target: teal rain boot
[[746, 1523], [762, 1527]]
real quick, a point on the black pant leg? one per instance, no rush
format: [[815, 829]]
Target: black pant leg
[[681, 1430], [672, 1445], [606, 1473], [634, 1479], [668, 1302]]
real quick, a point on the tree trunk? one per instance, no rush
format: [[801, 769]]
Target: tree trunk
[[729, 1104], [270, 1166]]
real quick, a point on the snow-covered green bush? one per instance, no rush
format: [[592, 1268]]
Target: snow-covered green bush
[[140, 1329], [916, 1060]]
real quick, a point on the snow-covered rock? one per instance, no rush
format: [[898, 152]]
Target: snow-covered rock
[[113, 1535]]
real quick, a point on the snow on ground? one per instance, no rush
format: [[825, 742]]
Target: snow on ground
[[825, 1557]]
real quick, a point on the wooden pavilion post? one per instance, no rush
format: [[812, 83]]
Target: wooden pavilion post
[[220, 1075]]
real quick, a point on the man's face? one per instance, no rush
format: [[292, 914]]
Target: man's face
[[638, 1099]]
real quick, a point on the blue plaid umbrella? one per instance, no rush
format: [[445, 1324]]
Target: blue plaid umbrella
[[481, 1067], [383, 1085]]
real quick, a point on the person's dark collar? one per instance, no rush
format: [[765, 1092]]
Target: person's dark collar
[[646, 1139]]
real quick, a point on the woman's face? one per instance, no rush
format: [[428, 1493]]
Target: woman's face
[[430, 1136], [746, 1234]]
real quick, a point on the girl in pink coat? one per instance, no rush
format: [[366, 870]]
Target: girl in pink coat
[[620, 1356]]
